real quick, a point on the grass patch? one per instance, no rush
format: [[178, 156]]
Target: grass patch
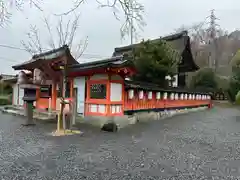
[[5, 100]]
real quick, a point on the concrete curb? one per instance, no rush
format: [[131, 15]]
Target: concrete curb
[[21, 114], [121, 122]]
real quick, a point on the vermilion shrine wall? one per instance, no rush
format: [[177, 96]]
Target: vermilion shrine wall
[[117, 101], [50, 99], [105, 95]]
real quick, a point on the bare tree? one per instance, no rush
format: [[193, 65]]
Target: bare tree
[[222, 47], [132, 10], [65, 36], [6, 5]]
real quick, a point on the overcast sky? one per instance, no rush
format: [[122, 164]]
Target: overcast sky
[[163, 17]]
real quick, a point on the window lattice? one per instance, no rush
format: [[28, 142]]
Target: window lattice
[[98, 91]]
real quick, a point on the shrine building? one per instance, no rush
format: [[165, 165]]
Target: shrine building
[[100, 88]]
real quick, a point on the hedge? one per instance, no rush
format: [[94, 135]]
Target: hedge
[[6, 100]]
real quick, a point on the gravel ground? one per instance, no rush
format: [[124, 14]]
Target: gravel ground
[[201, 145]]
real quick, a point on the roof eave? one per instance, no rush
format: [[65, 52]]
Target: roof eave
[[12, 80], [74, 69], [49, 55], [110, 60], [153, 87], [166, 38]]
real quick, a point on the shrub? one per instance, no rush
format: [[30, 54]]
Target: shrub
[[5, 88], [237, 98], [234, 84], [234, 87], [204, 80], [4, 102]]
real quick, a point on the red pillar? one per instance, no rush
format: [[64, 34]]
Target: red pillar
[[108, 97], [54, 96], [37, 98]]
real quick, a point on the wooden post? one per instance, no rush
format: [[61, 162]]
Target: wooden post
[[61, 120], [64, 92], [74, 106], [49, 106]]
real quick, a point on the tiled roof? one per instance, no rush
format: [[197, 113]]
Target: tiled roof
[[111, 62], [129, 84], [49, 55], [179, 41]]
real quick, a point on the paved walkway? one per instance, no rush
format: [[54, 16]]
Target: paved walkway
[[201, 145]]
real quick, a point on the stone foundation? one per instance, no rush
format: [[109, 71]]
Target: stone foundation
[[123, 121]]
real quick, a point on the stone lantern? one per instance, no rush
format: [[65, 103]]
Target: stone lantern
[[29, 96]]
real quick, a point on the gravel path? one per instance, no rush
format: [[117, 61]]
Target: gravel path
[[201, 145]]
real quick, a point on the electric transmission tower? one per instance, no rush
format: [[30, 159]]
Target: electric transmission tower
[[212, 30]]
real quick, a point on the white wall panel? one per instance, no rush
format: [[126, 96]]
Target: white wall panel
[[116, 92], [15, 94], [99, 76], [79, 83]]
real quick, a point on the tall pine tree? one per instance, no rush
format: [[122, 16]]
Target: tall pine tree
[[154, 60]]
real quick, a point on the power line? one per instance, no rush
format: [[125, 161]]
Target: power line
[[84, 55], [15, 61], [11, 47], [7, 59]]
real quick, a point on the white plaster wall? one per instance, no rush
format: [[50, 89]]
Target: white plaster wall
[[97, 108], [116, 77], [21, 94], [99, 76], [101, 108], [15, 94], [115, 92], [175, 82], [93, 108], [79, 83], [116, 108]]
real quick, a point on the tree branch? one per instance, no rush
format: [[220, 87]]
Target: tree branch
[[80, 48], [73, 31], [6, 5], [132, 10], [59, 31], [37, 38], [65, 35], [77, 4], [66, 32], [5, 15], [33, 45], [52, 45]]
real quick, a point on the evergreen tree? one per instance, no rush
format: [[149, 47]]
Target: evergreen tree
[[154, 60]]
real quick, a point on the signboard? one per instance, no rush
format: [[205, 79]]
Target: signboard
[[45, 91]]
